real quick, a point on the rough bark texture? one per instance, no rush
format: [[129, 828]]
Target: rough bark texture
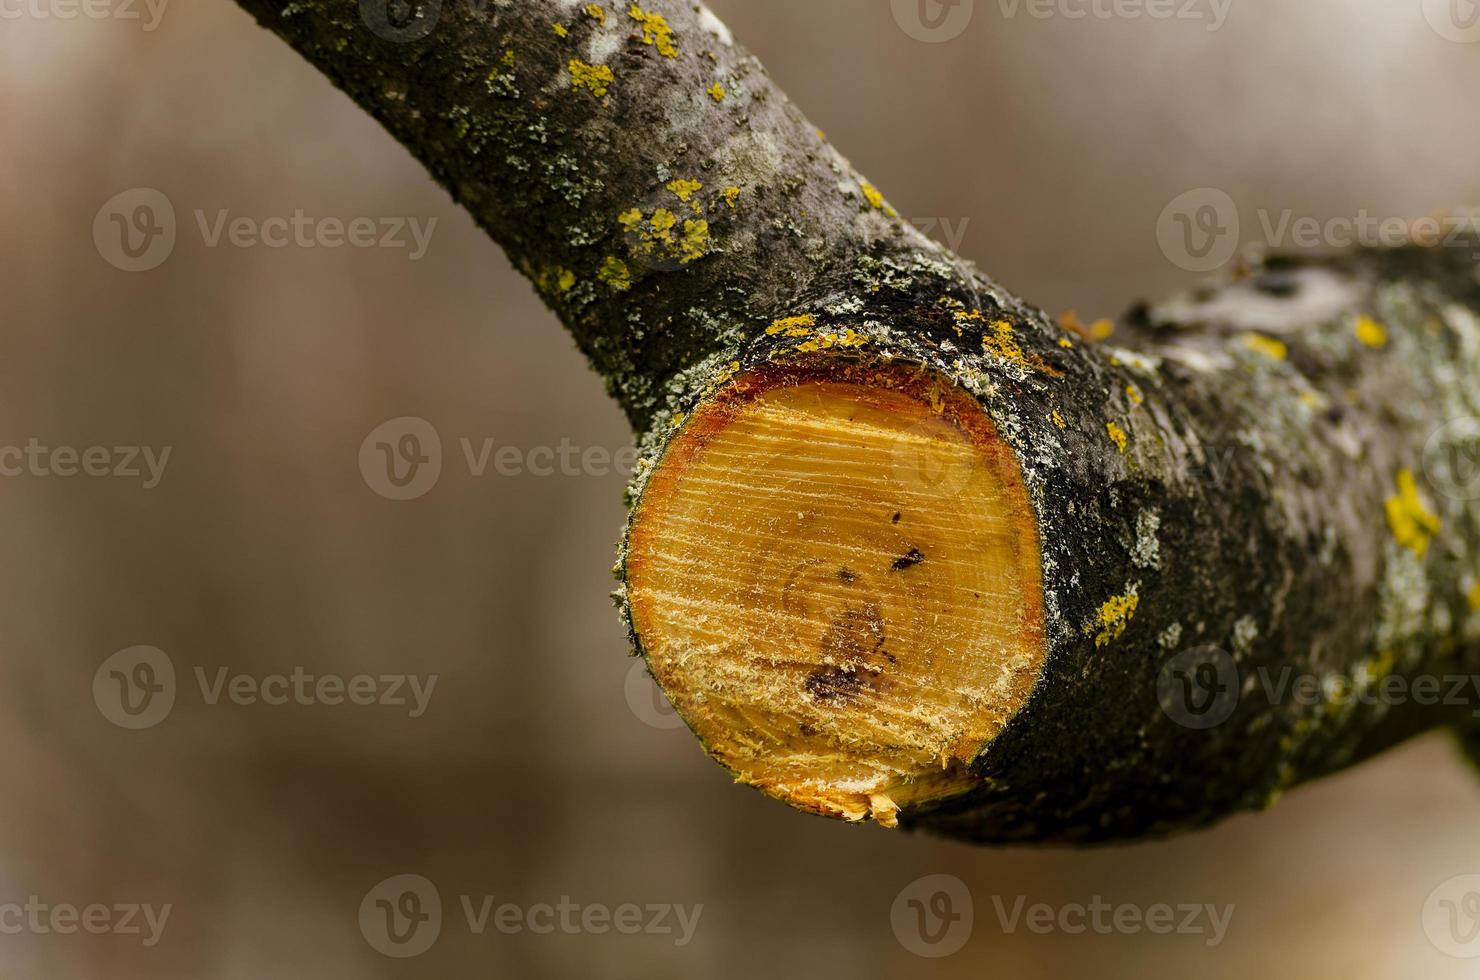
[[576, 133], [1242, 469]]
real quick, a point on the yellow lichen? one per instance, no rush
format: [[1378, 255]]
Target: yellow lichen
[[560, 30], [1066, 343], [1118, 436], [827, 341], [595, 12], [874, 198], [685, 190], [595, 78], [695, 242], [1058, 419], [1095, 332], [793, 326], [732, 196], [614, 273], [509, 59], [656, 235], [1371, 333], [552, 278], [998, 339], [1134, 394], [655, 31], [1274, 349], [1002, 343], [663, 222], [1413, 524], [716, 92], [1115, 616], [1474, 597]]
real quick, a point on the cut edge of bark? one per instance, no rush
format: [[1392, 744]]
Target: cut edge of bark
[[835, 575]]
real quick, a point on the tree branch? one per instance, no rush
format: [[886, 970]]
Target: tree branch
[[903, 546]]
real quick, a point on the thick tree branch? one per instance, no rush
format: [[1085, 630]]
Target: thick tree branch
[[903, 546]]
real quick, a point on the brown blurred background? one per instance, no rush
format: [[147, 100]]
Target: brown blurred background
[[541, 768]]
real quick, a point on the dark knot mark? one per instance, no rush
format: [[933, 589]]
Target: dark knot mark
[[851, 650], [907, 561]]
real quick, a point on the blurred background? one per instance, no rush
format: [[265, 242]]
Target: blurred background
[[543, 765]]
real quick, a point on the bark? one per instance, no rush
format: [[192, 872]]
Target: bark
[[1269, 467]]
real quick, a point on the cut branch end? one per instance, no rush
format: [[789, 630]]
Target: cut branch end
[[834, 573]]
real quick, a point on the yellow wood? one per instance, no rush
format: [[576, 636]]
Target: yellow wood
[[835, 576]]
